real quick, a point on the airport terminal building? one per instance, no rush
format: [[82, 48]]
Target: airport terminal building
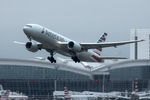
[[38, 79]]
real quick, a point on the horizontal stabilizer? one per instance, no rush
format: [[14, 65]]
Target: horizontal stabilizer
[[111, 58]]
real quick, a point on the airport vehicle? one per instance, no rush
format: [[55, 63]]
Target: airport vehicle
[[53, 43], [85, 95]]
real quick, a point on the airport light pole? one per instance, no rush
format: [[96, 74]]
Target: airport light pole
[[55, 84], [136, 46], [29, 89], [132, 85], [55, 81], [103, 74], [103, 86]]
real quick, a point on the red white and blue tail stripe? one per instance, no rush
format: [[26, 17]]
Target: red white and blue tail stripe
[[66, 93], [98, 51], [102, 38]]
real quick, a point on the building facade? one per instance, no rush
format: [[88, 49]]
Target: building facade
[[38, 79]]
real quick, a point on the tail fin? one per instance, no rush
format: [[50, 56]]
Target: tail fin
[[102, 38], [66, 92]]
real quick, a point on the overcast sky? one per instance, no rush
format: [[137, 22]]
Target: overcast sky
[[80, 20]]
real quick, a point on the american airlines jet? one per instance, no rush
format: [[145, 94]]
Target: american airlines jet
[[53, 43]]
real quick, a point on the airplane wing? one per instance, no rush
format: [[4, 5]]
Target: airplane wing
[[145, 97], [123, 97], [86, 46], [106, 44]]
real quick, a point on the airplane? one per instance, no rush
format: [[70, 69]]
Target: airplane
[[137, 95], [68, 96], [73, 95], [86, 95], [53, 43]]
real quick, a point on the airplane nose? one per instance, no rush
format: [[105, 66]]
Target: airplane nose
[[27, 29]]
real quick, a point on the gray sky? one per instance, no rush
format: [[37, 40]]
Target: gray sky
[[80, 20]]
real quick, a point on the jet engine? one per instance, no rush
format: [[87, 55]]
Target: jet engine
[[74, 46], [32, 47]]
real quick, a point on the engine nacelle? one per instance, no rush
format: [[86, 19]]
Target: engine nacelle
[[32, 47], [74, 46]]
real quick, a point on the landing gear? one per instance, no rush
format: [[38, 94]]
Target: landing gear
[[75, 59], [51, 59]]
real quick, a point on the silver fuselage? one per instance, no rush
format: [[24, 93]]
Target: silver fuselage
[[50, 39]]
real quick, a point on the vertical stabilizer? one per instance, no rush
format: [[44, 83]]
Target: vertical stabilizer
[[66, 92], [101, 39], [67, 96]]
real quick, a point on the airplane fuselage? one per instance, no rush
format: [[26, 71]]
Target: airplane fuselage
[[50, 39], [54, 42]]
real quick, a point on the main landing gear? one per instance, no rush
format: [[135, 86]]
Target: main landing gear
[[75, 59], [51, 59]]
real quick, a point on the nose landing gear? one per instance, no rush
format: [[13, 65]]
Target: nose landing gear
[[75, 59], [51, 59]]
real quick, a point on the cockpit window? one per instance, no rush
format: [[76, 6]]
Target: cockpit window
[[29, 26], [43, 30]]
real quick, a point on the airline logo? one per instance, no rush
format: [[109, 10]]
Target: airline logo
[[103, 38]]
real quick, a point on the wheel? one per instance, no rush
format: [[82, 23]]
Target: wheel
[[54, 61], [78, 60], [51, 59], [75, 59]]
